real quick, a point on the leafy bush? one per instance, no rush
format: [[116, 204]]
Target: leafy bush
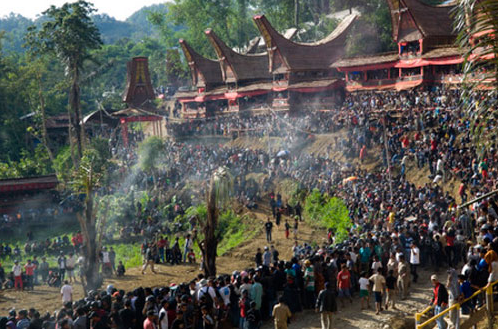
[[325, 212]]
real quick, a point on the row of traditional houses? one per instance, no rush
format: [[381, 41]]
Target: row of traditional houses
[[291, 75]]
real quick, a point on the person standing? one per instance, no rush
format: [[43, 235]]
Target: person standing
[[61, 265], [44, 269], [37, 264], [379, 283], [281, 314], [453, 288], [149, 259], [66, 293], [391, 290], [344, 284], [29, 268], [258, 259], [403, 277], [439, 300], [268, 229], [309, 284], [267, 257], [17, 271], [187, 247], [150, 321], [326, 305], [414, 261], [70, 265]]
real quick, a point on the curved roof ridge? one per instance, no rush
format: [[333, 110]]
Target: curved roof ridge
[[340, 29], [244, 66], [213, 37], [209, 68]]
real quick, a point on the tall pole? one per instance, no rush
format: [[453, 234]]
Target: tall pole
[[388, 158], [296, 13]]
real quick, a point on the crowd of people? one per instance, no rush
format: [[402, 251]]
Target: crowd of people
[[397, 226]]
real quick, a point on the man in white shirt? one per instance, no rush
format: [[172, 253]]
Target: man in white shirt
[[414, 260], [205, 289], [17, 271], [70, 265], [225, 291], [66, 293], [163, 315]]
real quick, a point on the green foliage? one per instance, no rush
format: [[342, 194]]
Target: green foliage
[[325, 212], [232, 230], [63, 164], [128, 253], [35, 163], [150, 153]]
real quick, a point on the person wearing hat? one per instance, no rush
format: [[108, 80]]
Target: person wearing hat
[[309, 284], [326, 305], [17, 272], [267, 257], [439, 300], [208, 291]]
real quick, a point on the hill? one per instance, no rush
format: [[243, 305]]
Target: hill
[[136, 27]]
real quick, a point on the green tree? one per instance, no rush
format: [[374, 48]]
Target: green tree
[[217, 196], [329, 213], [70, 34]]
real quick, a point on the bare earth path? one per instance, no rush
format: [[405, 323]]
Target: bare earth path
[[48, 299]]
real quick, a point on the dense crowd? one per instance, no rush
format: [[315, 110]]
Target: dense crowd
[[397, 226]]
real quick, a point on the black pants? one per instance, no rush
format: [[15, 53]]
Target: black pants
[[414, 272]]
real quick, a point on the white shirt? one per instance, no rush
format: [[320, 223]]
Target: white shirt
[[439, 165], [67, 293], [71, 262], [364, 283], [17, 269], [376, 266], [163, 323], [209, 290], [415, 256], [105, 257], [225, 294]]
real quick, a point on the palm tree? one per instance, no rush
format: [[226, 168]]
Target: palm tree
[[476, 22], [218, 195]]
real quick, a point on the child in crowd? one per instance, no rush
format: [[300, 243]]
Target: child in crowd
[[364, 285], [120, 271], [391, 289], [191, 256]]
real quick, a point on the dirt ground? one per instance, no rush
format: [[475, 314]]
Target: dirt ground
[[48, 299]]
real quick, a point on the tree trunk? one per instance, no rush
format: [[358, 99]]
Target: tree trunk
[[43, 118], [88, 228], [296, 13], [74, 103], [210, 238]]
